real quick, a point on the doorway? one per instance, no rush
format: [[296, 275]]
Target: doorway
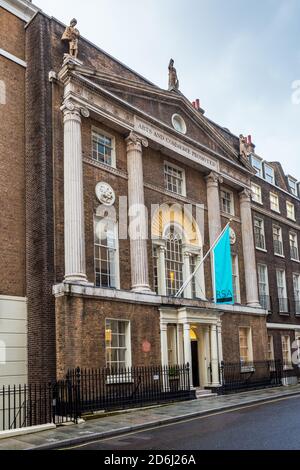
[[195, 363]]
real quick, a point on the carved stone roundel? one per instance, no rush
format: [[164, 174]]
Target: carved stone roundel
[[232, 236], [105, 194]]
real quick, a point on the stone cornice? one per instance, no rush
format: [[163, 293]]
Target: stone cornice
[[20, 8], [108, 169], [97, 293], [272, 215]]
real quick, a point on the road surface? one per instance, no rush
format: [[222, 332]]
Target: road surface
[[275, 425]]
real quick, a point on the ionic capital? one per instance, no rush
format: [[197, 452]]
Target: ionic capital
[[136, 142], [245, 195], [72, 111], [213, 179]]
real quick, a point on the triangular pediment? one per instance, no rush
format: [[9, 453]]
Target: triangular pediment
[[162, 105]]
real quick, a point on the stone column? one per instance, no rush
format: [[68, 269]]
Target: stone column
[[213, 205], [187, 348], [214, 356], [249, 249], [214, 214], [137, 214], [75, 265], [220, 342], [164, 344], [161, 270]]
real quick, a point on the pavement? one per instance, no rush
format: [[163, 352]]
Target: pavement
[[116, 424], [266, 426]]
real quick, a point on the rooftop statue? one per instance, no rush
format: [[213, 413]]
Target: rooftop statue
[[71, 35], [173, 79]]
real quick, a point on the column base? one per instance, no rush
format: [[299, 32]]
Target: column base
[[76, 279], [142, 290], [254, 304]]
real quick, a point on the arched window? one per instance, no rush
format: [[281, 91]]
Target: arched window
[[106, 253], [174, 261]]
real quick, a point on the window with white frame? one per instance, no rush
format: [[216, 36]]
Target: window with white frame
[[236, 279], [245, 340], [296, 285], [274, 202], [257, 165], [256, 193], [290, 210], [117, 344], [277, 240], [263, 286], [293, 186], [259, 233], [270, 351], [282, 292], [269, 174], [286, 351], [227, 201], [106, 253], [174, 179], [103, 148], [174, 261], [294, 246]]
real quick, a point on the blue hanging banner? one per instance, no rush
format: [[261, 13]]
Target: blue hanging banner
[[223, 270]]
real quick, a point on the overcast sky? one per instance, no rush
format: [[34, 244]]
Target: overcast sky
[[239, 57]]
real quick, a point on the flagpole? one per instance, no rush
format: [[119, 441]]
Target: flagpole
[[188, 280]]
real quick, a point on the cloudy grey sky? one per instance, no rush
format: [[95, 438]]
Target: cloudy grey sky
[[239, 57]]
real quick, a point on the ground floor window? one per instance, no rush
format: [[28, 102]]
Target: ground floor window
[[245, 338], [117, 344]]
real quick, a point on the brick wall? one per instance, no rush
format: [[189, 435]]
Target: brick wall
[[39, 203], [269, 258], [80, 329], [230, 334], [12, 150]]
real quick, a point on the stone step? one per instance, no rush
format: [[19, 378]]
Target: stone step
[[205, 394]]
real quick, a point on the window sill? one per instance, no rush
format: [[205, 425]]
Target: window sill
[[258, 202], [261, 249], [284, 314], [274, 210], [295, 260], [279, 256]]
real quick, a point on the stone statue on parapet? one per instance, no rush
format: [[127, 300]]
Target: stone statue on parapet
[[71, 35], [173, 78], [244, 146]]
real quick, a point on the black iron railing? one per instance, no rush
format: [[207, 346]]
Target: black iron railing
[[265, 302], [278, 247], [110, 389], [294, 253], [297, 306], [240, 376], [260, 241], [283, 305], [89, 390], [25, 406]]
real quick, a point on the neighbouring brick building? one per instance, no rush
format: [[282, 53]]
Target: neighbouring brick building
[[91, 139], [276, 219]]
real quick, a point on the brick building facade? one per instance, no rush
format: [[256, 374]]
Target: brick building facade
[[276, 219], [99, 140]]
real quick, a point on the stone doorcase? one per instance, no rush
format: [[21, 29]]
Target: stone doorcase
[[178, 327]]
